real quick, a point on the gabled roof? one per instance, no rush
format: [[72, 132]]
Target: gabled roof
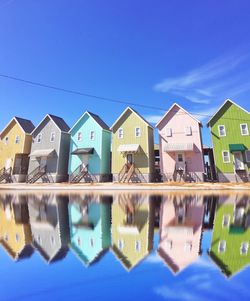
[[186, 112], [97, 119], [224, 103], [58, 121], [26, 125], [133, 111], [59, 255]]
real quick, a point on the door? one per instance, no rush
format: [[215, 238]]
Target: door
[[85, 160], [129, 159], [43, 161], [238, 161], [8, 163], [180, 161]]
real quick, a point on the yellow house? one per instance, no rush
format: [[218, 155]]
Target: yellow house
[[15, 232], [15, 145], [132, 228]]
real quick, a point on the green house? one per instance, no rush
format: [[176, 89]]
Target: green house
[[230, 127], [132, 148], [231, 234]]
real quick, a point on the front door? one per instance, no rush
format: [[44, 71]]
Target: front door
[[129, 159], [85, 159], [8, 163], [238, 161], [180, 161], [43, 161]]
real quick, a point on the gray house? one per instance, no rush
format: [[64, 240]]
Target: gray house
[[49, 226], [49, 151]]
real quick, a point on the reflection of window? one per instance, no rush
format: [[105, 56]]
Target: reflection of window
[[120, 133], [188, 130], [137, 132], [92, 242], [168, 132], [6, 236], [52, 239], [79, 241], [247, 156], [17, 237], [225, 221], [120, 244], [137, 245], [188, 246], [226, 156], [169, 244], [244, 129], [52, 137], [222, 130], [39, 138], [39, 239], [79, 136], [244, 248], [222, 246], [92, 135], [17, 139]]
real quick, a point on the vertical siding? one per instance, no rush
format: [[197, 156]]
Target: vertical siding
[[106, 152], [63, 159], [231, 116]]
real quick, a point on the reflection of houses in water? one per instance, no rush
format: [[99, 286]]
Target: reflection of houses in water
[[132, 228], [231, 234], [15, 233], [49, 226], [180, 231], [89, 218]]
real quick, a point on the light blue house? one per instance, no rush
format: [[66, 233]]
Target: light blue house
[[90, 227], [90, 147]]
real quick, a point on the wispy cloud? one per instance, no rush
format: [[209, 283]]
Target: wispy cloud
[[154, 259], [153, 118], [210, 81]]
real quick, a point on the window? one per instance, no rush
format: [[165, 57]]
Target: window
[[222, 246], [6, 140], [226, 221], [168, 132], [120, 133], [222, 130], [188, 246], [137, 245], [79, 136], [17, 237], [226, 156], [39, 239], [52, 239], [52, 137], [169, 244], [39, 138], [244, 129], [120, 244], [137, 132], [17, 139], [92, 135], [188, 130], [180, 158], [6, 236], [244, 248], [247, 155]]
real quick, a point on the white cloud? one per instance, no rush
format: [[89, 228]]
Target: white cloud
[[204, 262], [178, 293], [153, 258], [153, 118]]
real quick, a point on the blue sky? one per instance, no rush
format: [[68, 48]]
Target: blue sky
[[33, 279], [195, 53]]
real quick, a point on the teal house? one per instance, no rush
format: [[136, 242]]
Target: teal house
[[90, 147], [90, 227]]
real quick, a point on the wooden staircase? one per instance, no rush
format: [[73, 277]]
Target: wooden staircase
[[126, 173], [180, 173], [5, 174], [36, 174], [79, 173]]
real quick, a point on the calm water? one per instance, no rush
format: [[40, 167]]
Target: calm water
[[123, 246]]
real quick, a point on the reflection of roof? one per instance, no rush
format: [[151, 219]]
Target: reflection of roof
[[59, 255], [26, 252]]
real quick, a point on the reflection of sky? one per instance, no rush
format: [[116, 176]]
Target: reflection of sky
[[33, 279]]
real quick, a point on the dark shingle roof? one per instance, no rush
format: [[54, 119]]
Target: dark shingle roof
[[60, 123], [99, 121], [26, 124]]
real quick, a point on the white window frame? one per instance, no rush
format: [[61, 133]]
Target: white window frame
[[17, 140], [39, 135], [120, 244], [188, 130], [241, 246], [188, 246], [92, 135], [52, 240], [224, 130], [138, 245], [92, 242], [226, 225], [51, 135], [223, 158], [222, 241], [79, 136], [120, 133], [247, 158], [169, 132], [137, 128], [17, 237], [6, 140], [242, 134]]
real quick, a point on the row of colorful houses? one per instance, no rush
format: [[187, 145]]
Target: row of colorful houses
[[90, 225], [91, 151]]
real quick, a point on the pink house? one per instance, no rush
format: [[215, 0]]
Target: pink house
[[181, 219], [180, 146]]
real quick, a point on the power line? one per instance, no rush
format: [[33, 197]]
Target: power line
[[42, 85]]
